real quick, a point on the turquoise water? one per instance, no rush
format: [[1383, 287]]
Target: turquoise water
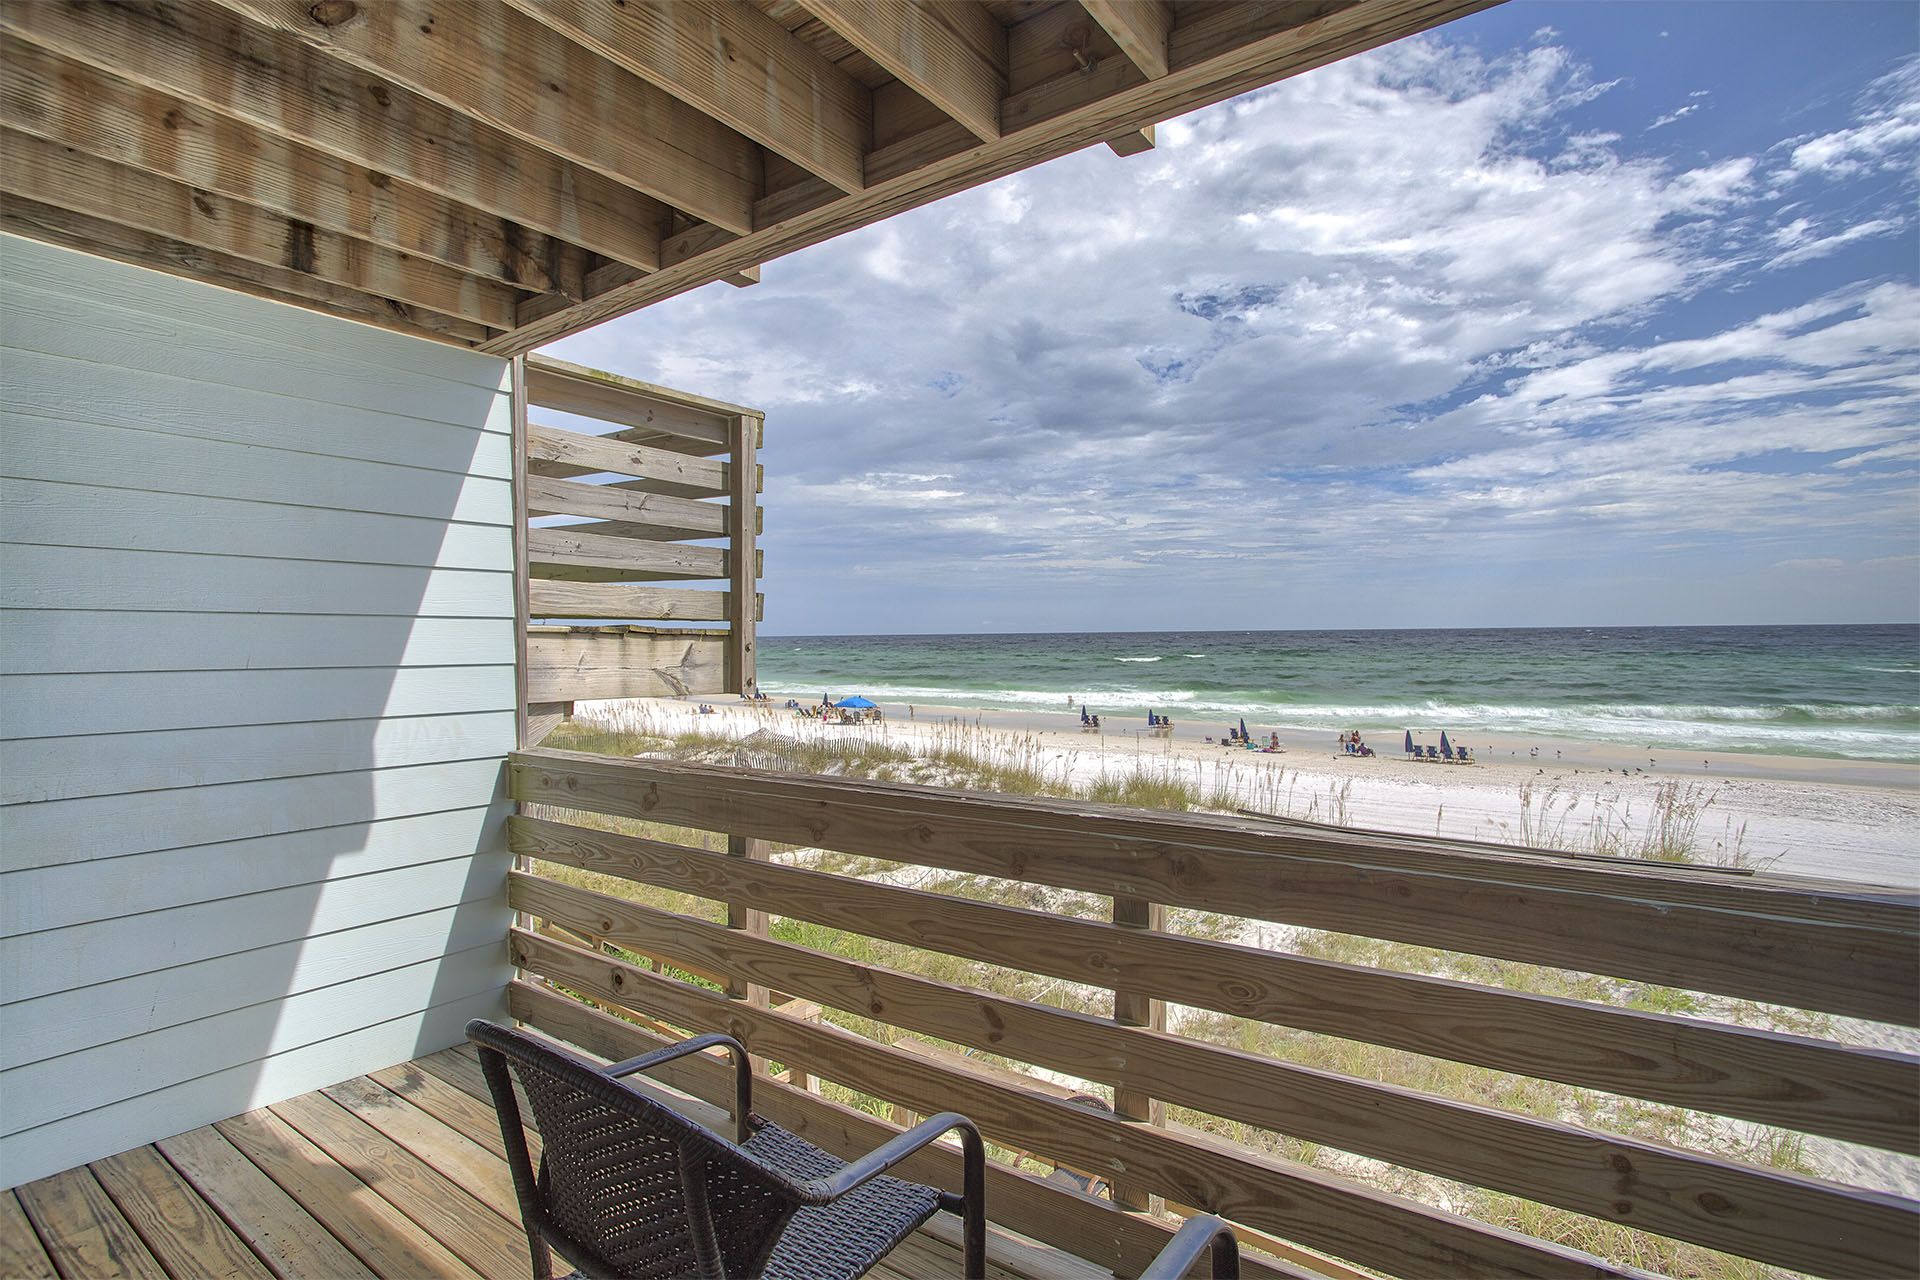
[[1851, 692]]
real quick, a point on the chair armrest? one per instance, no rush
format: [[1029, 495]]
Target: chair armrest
[[891, 1153], [973, 1200], [742, 1072], [1200, 1233]]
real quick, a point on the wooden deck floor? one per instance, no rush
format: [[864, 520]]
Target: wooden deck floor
[[398, 1174]]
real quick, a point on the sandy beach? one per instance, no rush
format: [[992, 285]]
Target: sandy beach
[[1846, 819]]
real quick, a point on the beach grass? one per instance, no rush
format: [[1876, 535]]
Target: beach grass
[[1669, 830]]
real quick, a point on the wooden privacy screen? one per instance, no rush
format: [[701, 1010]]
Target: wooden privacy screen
[[1840, 950], [663, 533]]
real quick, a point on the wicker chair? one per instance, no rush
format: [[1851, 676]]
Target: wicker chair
[[1201, 1232], [628, 1187]]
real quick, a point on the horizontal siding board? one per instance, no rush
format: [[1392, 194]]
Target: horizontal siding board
[[133, 702], [44, 386], [62, 831], [43, 1091], [140, 1003], [144, 581], [75, 515], [71, 893], [88, 452], [156, 301], [69, 768], [132, 1121], [41, 964], [48, 641], [87, 328]]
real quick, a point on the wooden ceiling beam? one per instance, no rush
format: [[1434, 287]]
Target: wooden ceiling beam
[[73, 180], [176, 258], [1139, 27], [286, 89], [74, 105], [737, 65], [497, 65], [953, 55], [1223, 51], [1132, 143]]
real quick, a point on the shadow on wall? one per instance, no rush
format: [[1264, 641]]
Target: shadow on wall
[[257, 680]]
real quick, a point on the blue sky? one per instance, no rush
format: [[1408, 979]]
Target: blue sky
[[1563, 314]]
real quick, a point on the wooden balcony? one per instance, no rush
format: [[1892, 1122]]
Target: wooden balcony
[[398, 1175], [400, 1172]]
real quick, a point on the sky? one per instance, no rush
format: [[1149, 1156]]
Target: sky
[[1562, 314]]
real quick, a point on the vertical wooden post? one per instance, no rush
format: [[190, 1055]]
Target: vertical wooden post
[[749, 922], [517, 368], [740, 661], [744, 575], [1137, 1011], [521, 605]]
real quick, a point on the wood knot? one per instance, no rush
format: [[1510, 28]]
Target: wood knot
[[380, 95], [1715, 1203], [650, 799], [1622, 1208], [331, 13], [377, 179], [1620, 1163]]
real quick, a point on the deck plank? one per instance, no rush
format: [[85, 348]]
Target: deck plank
[[286, 1237], [20, 1251], [469, 1114], [471, 1229], [83, 1231], [385, 1239], [458, 1158], [186, 1236]]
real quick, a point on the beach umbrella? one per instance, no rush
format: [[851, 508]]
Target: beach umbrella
[[1409, 742], [1445, 750], [1243, 728], [860, 703]]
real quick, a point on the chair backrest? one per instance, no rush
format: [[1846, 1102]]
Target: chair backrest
[[627, 1187]]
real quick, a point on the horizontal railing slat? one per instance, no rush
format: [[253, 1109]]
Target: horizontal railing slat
[[1762, 1213], [1322, 1211], [552, 451], [1745, 939], [562, 547], [564, 667], [1858, 1095], [1082, 1226], [652, 515]]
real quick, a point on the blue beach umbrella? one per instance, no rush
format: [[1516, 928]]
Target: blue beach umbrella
[[1409, 742], [1445, 750], [859, 703], [1243, 728]]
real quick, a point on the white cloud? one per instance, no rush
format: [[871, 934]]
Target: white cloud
[[1354, 326]]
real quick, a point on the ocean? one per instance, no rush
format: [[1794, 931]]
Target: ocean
[[1847, 692]]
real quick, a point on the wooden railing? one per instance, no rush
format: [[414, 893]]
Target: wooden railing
[[1818, 946], [677, 505]]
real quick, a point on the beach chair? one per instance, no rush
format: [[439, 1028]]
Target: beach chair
[[1433, 753], [628, 1187]]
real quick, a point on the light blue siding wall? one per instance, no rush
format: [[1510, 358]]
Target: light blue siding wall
[[256, 687]]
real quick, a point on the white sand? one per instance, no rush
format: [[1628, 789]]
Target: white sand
[[1852, 820]]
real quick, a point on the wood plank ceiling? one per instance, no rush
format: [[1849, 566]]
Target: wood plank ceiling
[[500, 173]]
